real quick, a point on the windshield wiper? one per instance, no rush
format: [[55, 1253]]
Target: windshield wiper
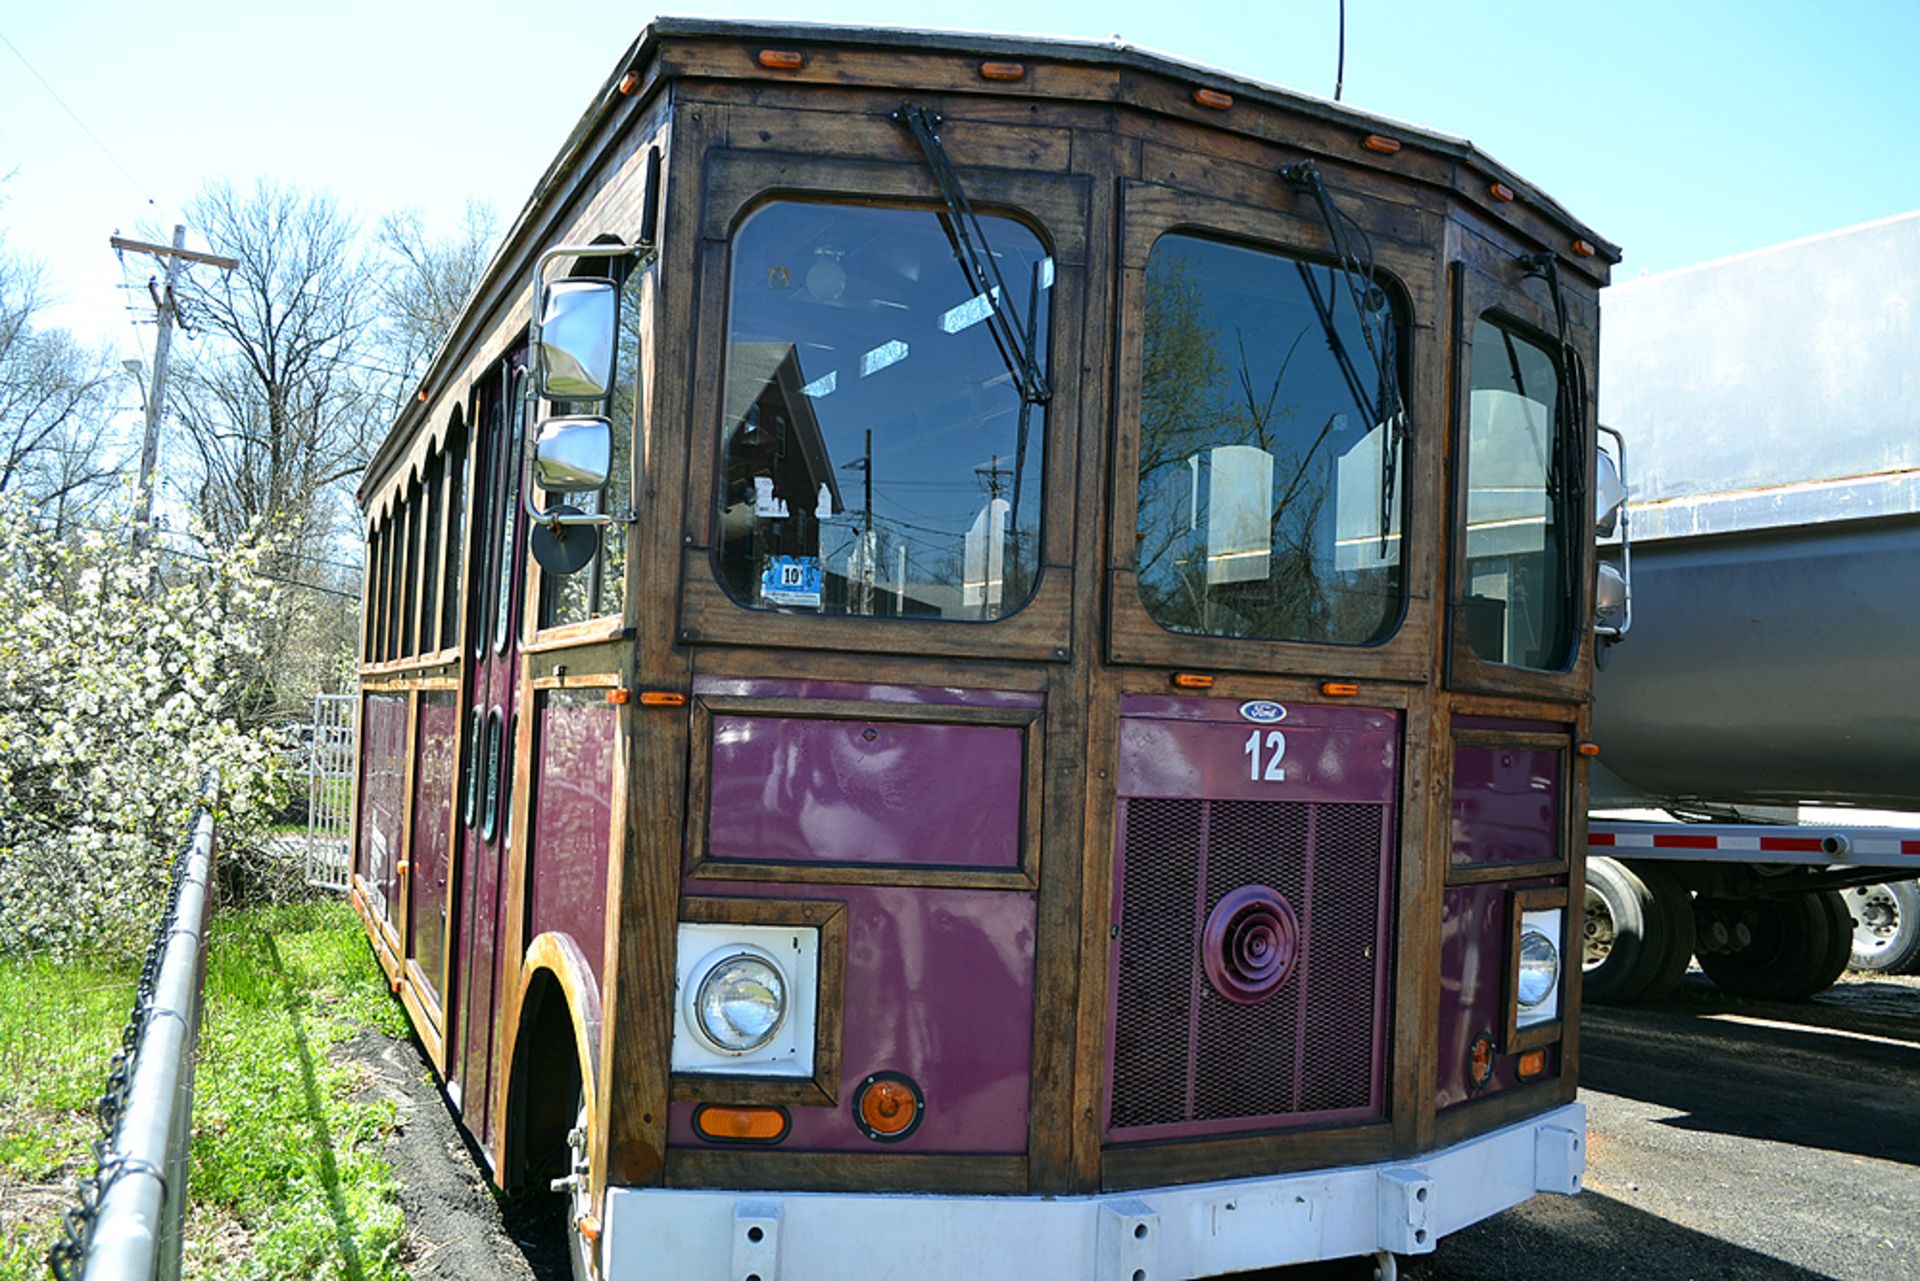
[[1569, 405], [975, 256], [1385, 406]]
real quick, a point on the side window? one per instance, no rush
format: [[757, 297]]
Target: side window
[[1520, 553], [430, 555], [877, 456], [506, 590], [601, 588], [457, 454], [1268, 505]]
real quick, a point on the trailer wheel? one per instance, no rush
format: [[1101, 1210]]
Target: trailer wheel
[[1673, 906], [1623, 945], [1886, 927], [1791, 945]]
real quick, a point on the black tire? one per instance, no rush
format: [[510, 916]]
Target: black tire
[[1886, 929], [1623, 938], [1791, 950], [1840, 939], [1674, 903]]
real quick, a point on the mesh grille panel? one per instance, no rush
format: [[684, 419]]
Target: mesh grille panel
[[1185, 1055]]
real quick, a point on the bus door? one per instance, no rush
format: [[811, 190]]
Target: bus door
[[495, 578]]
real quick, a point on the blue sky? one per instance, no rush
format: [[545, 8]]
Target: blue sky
[[1685, 130]]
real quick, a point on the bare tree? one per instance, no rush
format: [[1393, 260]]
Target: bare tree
[[427, 282], [53, 407]]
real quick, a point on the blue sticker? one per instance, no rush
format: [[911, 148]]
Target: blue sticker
[[792, 580]]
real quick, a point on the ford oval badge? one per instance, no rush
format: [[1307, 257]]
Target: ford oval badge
[[1263, 712]]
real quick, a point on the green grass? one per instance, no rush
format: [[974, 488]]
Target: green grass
[[288, 1177]]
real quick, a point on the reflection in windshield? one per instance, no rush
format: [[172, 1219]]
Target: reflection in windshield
[[877, 457], [1260, 480]]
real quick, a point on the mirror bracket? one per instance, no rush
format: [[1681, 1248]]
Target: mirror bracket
[[1614, 633]]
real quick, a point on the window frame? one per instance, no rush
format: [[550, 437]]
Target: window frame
[[1210, 205], [1057, 206], [1498, 292]]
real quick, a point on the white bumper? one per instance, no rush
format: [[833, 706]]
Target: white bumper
[[1153, 1234]]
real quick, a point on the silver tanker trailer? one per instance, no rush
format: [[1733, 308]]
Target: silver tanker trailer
[[1771, 403]]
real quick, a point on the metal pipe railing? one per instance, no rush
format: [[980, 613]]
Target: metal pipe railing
[[128, 1225]]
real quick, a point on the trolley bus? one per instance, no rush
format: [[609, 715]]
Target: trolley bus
[[976, 663]]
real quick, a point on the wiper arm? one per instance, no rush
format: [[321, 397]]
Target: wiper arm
[[975, 256], [1569, 404], [1387, 406]]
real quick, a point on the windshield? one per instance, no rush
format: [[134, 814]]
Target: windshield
[[877, 456], [1260, 476]]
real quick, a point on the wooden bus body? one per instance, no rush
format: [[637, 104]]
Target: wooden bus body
[[1065, 755]]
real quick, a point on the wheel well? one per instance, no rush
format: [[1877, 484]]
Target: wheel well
[[544, 1090]]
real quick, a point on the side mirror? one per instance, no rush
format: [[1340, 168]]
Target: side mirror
[[578, 321], [574, 454], [1609, 496], [1612, 604]]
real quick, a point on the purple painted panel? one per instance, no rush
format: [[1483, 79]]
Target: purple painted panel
[[1506, 805], [1203, 747], [939, 985], [755, 687], [437, 743], [1475, 933], [572, 818], [792, 789], [383, 783]]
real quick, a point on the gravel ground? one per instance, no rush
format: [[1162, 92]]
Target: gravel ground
[[1729, 1139]]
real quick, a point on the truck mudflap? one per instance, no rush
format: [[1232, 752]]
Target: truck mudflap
[[1159, 1234]]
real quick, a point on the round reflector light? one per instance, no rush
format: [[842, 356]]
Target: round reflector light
[[741, 1002], [888, 1107], [1539, 968]]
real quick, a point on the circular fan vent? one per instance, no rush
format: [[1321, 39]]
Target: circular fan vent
[[1250, 945]]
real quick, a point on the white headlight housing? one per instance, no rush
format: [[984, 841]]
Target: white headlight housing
[[1537, 968], [746, 999]]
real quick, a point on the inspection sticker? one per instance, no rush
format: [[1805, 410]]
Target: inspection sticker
[[792, 580]]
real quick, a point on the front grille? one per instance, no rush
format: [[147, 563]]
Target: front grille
[[1188, 1060]]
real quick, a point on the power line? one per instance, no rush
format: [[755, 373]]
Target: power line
[[95, 138]]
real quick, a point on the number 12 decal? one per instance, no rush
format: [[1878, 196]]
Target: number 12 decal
[[1277, 747]]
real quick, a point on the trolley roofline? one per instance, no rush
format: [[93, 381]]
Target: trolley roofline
[[645, 62]]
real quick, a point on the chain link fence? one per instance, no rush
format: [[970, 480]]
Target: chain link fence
[[127, 1221]]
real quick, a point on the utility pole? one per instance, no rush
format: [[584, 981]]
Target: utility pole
[[169, 312]]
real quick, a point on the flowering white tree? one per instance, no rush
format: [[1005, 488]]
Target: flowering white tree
[[123, 682]]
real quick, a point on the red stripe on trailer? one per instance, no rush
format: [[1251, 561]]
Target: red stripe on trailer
[[1797, 844], [1910, 847], [1599, 838], [1686, 842]]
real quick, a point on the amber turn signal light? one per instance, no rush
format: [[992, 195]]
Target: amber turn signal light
[[781, 60], [1339, 689], [619, 697], [1589, 749], [1533, 1063], [1501, 191], [1213, 99], [1380, 143], [718, 1124], [1584, 248], [628, 83], [662, 698], [1002, 71], [1192, 680], [888, 1107]]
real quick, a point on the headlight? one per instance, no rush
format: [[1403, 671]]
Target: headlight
[[741, 1002], [1539, 969]]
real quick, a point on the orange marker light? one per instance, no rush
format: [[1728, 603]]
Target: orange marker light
[[740, 1125], [887, 1107], [629, 82], [781, 60], [1533, 1063], [1501, 191], [1213, 99], [1339, 689], [619, 697], [1589, 749], [1584, 248], [1480, 1060], [662, 698], [1380, 143], [1002, 71], [589, 1227], [1192, 680], [423, 395]]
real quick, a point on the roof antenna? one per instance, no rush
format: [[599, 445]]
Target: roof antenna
[[1340, 69]]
